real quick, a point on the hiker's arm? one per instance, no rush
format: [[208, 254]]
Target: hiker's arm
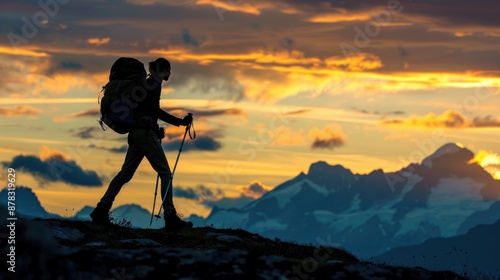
[[166, 117]]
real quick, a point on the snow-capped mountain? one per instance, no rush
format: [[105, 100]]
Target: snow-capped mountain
[[372, 213]]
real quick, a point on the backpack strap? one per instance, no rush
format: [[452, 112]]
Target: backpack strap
[[99, 96]]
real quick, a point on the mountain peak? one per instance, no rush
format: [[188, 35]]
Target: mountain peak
[[321, 167], [448, 148], [30, 206], [330, 176]]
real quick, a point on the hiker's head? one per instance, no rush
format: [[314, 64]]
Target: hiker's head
[[160, 68]]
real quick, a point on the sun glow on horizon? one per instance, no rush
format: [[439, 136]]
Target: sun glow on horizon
[[484, 159]]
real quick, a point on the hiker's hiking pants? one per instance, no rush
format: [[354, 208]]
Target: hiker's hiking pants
[[142, 142]]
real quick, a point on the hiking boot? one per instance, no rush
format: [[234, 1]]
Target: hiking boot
[[100, 215], [173, 221]]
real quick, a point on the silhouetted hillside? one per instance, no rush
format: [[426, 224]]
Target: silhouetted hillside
[[68, 249]]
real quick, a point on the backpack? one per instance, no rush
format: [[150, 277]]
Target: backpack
[[122, 94]]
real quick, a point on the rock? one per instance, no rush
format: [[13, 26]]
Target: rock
[[223, 237], [63, 233], [141, 242], [96, 244], [228, 238]]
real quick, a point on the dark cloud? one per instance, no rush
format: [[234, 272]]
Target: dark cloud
[[201, 143], [255, 190], [487, 121], [199, 193], [64, 66], [216, 79], [205, 113], [88, 133], [220, 112], [211, 198], [383, 114], [328, 143], [55, 169], [71, 65], [299, 112], [448, 119], [119, 150], [445, 11], [188, 193]]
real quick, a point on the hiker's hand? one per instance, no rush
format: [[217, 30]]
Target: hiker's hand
[[160, 133], [187, 119]]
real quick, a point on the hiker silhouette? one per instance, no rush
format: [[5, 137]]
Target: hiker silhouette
[[144, 140]]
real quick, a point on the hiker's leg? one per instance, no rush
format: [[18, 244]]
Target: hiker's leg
[[150, 146], [132, 160]]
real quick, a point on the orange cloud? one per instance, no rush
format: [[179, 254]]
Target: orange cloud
[[242, 6], [46, 153], [449, 119], [330, 137], [283, 135], [98, 41], [259, 57], [35, 77], [255, 190], [277, 75], [355, 62], [289, 137], [19, 111], [21, 52], [342, 15]]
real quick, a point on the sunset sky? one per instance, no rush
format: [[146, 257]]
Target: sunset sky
[[273, 85]]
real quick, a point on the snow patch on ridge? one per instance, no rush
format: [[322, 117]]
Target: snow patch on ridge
[[448, 206], [285, 195]]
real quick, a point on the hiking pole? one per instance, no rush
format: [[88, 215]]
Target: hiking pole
[[188, 127], [154, 201], [156, 191]]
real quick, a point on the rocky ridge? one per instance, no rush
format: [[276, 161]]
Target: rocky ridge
[[70, 249]]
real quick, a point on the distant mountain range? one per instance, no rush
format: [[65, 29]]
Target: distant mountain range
[[445, 197]]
